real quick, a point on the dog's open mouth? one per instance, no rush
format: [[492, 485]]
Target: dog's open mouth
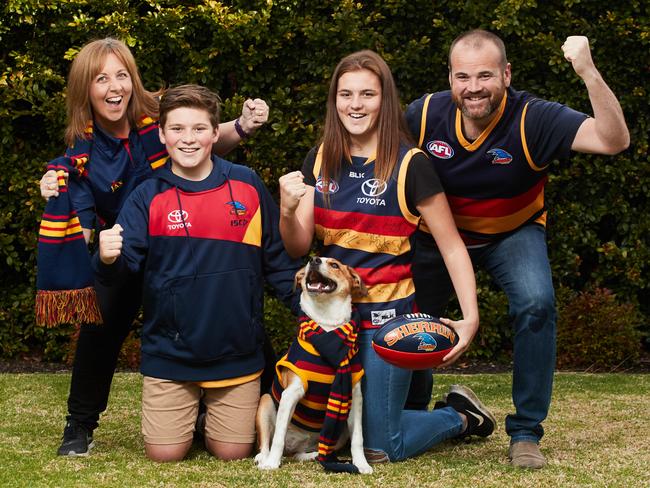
[[317, 283]]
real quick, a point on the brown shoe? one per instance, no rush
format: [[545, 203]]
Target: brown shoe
[[375, 456], [526, 454]]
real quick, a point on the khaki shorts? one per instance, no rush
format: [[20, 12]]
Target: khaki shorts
[[170, 408]]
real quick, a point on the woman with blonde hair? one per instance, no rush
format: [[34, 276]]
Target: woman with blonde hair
[[362, 193], [112, 146]]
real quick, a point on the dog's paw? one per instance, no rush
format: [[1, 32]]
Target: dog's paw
[[305, 456], [267, 463], [364, 468], [260, 457]]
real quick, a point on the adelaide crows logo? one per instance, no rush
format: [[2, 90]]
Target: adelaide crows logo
[[499, 156], [237, 208], [427, 343], [237, 211], [116, 185]]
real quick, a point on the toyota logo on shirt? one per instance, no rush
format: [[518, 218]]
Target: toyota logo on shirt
[[373, 187], [178, 220], [176, 217]]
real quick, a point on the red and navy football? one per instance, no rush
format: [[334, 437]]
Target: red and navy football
[[414, 341]]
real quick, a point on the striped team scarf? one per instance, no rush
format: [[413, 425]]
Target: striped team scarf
[[337, 348], [64, 280]]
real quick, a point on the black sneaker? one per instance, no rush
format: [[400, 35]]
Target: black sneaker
[[480, 420], [77, 440]]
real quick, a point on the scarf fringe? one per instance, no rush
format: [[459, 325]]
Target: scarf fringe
[[334, 465], [67, 307]]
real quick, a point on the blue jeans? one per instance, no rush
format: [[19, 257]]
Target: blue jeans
[[519, 265], [387, 426]]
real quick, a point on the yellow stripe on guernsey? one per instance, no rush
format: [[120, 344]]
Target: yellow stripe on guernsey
[[386, 292], [401, 186], [60, 229], [253, 234], [496, 225], [423, 122], [362, 241], [313, 425], [306, 376], [318, 161], [158, 163], [315, 406], [522, 131], [473, 146], [308, 347]]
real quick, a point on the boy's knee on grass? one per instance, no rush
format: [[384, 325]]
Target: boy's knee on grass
[[229, 451], [164, 453]]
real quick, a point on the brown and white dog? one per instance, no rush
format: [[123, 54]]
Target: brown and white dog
[[327, 289]]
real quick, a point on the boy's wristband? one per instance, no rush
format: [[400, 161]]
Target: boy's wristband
[[240, 130]]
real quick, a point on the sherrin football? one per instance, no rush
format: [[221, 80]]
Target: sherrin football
[[414, 341]]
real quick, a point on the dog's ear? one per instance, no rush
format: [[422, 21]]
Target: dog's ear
[[298, 278], [358, 287]]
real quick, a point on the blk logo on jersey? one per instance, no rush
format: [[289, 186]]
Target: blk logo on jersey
[[238, 210], [333, 186], [440, 149], [372, 189], [499, 156], [178, 219], [379, 317]]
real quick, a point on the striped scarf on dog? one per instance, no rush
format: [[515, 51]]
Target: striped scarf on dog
[[337, 348], [64, 276]]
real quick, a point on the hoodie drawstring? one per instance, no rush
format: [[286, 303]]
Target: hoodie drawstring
[[232, 198], [187, 233]]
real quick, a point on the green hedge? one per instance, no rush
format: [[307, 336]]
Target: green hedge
[[284, 51]]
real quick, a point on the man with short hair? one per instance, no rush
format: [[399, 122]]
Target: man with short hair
[[491, 146]]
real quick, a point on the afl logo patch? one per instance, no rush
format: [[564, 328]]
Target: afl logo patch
[[440, 149], [333, 186]]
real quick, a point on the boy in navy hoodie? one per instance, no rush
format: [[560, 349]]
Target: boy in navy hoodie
[[204, 232]]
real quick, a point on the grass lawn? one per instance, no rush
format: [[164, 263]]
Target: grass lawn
[[598, 434]]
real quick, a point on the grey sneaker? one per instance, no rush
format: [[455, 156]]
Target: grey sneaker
[[526, 454], [77, 440], [480, 420]]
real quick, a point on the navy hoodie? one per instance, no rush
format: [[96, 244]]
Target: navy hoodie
[[205, 248]]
